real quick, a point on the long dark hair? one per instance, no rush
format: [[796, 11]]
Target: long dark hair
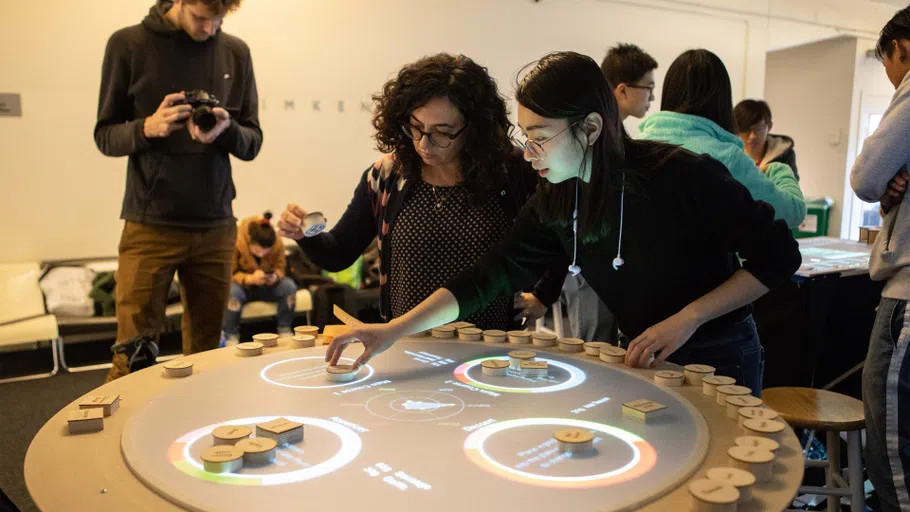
[[697, 83], [568, 85], [471, 89]]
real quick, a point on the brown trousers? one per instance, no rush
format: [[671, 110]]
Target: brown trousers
[[149, 256]]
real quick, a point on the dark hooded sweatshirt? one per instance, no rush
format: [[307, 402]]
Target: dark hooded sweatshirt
[[176, 181]]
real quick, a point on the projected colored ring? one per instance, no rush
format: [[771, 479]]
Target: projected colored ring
[[179, 454], [264, 377], [576, 377], [644, 458]]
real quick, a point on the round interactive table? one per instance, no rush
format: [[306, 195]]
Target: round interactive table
[[421, 427]]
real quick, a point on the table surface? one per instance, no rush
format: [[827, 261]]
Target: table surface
[[89, 471], [827, 255]]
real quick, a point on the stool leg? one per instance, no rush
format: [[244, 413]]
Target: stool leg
[[833, 449], [855, 471]]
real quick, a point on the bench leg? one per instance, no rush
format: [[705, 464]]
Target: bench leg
[[54, 370]]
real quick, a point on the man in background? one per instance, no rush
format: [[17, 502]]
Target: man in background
[[179, 189]]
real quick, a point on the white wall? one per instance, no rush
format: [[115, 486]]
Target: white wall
[[62, 198]]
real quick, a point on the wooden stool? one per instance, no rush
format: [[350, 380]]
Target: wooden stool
[[816, 409]]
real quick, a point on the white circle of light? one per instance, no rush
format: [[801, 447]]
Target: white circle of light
[[576, 377], [265, 378], [476, 440], [405, 396], [350, 448]]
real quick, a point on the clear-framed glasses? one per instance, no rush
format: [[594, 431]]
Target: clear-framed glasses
[[438, 139], [535, 148]]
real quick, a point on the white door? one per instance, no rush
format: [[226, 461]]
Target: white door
[[872, 107]]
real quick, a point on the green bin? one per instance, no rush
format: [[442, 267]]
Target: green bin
[[818, 211]]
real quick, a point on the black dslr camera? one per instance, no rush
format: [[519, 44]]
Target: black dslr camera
[[202, 103]]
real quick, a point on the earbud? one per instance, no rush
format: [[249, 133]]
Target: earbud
[[575, 269], [617, 262]]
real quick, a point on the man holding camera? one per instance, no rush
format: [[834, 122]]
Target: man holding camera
[[161, 86]]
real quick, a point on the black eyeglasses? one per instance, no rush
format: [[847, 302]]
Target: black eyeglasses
[[438, 139]]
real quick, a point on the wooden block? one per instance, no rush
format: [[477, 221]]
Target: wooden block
[[178, 368], [85, 420], [517, 356], [711, 496], [771, 429], [230, 434], [443, 332], [495, 336], [222, 459], [574, 440], [613, 355], [249, 349], [258, 451], [571, 345], [268, 339], [462, 325], [340, 373], [592, 348], [758, 462], [710, 384], [330, 332], [281, 430], [494, 367], [303, 341], [470, 334], [757, 443], [519, 337], [669, 378], [108, 404], [742, 480], [737, 402], [696, 372], [873, 234], [722, 392], [763, 413], [534, 368], [643, 410], [542, 339], [307, 330]]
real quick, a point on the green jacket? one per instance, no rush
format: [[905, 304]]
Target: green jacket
[[777, 186]]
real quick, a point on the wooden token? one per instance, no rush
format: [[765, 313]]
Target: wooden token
[[258, 450], [712, 496], [592, 348], [443, 332], [543, 339], [710, 384], [303, 341], [85, 420], [722, 392], [340, 373], [696, 372], [282, 430], [222, 459], [571, 345], [758, 443], [534, 368], [517, 356], [742, 480], [758, 462], [737, 402], [613, 355], [669, 378], [178, 368], [574, 440], [643, 410], [495, 336], [330, 332], [470, 334], [519, 337], [107, 404], [249, 349], [763, 413], [461, 325], [267, 339], [494, 367], [772, 429], [307, 330], [230, 434]]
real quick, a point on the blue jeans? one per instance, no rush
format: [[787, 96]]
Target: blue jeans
[[734, 351], [886, 400], [284, 293]]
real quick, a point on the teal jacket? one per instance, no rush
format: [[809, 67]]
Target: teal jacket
[[777, 186]]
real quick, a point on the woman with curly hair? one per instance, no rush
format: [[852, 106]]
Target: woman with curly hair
[[447, 190]]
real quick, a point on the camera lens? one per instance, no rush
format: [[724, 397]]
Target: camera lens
[[204, 118]]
